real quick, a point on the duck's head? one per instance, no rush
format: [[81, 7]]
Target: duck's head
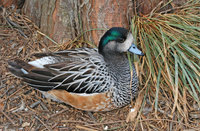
[[118, 40]]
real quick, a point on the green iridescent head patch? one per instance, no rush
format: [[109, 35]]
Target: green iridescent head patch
[[114, 34]]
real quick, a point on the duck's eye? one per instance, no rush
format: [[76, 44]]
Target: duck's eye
[[121, 40]]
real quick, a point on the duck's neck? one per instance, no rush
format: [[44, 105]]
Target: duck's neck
[[115, 58], [119, 69], [118, 66]]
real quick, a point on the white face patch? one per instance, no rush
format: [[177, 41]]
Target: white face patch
[[43, 61], [127, 43]]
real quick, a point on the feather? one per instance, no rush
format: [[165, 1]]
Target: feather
[[78, 70]]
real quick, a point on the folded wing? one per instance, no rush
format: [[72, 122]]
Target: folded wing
[[80, 70]]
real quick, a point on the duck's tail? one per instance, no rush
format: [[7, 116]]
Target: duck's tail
[[19, 68], [33, 75]]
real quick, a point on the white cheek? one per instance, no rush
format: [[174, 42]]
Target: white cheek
[[127, 43]]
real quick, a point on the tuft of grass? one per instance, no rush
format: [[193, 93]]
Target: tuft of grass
[[171, 43]]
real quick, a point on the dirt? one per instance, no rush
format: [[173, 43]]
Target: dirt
[[24, 108]]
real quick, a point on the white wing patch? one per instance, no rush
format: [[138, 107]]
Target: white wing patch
[[39, 63]]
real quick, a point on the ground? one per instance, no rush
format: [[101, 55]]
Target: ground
[[23, 108]]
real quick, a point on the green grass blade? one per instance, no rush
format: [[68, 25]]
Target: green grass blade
[[157, 90]]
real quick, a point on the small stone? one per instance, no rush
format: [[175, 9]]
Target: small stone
[[132, 110], [44, 50], [105, 128], [20, 49], [25, 124]]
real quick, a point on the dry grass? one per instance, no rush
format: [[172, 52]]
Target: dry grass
[[170, 70], [24, 108]]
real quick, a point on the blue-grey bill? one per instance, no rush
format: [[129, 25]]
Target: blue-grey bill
[[135, 50]]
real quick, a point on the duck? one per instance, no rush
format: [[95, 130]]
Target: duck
[[89, 79]]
